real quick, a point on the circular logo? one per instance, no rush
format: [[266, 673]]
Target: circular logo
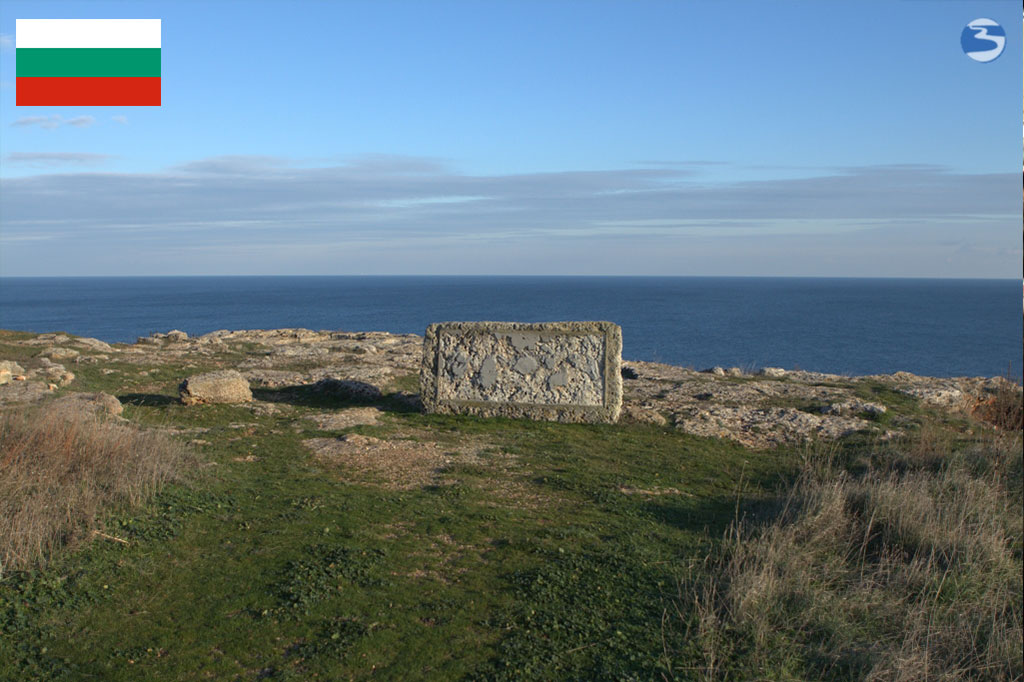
[[983, 40]]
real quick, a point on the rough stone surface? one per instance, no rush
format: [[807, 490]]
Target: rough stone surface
[[225, 386], [755, 411], [343, 419], [58, 353], [9, 370], [561, 371], [94, 344], [97, 403]]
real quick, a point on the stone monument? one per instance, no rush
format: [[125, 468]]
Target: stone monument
[[558, 371]]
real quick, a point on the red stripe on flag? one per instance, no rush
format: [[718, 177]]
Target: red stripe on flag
[[100, 92]]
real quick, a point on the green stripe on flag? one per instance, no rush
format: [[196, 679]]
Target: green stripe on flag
[[90, 61]]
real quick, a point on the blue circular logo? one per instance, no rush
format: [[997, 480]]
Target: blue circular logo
[[983, 40]]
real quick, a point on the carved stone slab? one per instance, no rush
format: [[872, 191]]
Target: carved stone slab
[[558, 371]]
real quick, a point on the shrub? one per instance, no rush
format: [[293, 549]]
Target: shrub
[[61, 471]]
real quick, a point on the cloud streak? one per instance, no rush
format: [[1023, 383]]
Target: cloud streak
[[53, 121], [394, 214], [51, 159]]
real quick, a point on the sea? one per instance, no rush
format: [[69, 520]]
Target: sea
[[844, 326]]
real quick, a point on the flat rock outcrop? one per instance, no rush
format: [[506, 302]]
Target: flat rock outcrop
[[223, 386], [755, 408]]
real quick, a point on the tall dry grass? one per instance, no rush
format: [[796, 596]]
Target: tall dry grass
[[61, 471], [910, 570]]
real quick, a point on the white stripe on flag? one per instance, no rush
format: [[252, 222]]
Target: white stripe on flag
[[87, 33]]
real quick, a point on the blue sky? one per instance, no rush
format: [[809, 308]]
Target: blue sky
[[601, 137]]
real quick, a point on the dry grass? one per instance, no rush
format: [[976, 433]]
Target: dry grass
[[1005, 409], [61, 471], [909, 571]]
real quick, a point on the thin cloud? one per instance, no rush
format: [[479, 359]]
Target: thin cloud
[[50, 159], [81, 121], [419, 207], [123, 120], [48, 122], [6, 42]]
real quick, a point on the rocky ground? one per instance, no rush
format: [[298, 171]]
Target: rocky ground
[[770, 407]]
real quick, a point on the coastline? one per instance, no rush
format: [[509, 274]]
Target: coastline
[[756, 409]]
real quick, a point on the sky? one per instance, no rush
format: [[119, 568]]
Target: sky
[[598, 137]]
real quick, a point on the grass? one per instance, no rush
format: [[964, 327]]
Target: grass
[[61, 472], [536, 551], [908, 570]]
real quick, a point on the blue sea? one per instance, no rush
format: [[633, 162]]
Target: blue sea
[[844, 326]]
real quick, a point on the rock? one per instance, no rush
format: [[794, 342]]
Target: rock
[[176, 335], [772, 372], [273, 378], [734, 372], [57, 353], [855, 408], [938, 396], [642, 415], [224, 386], [717, 371], [97, 403], [347, 388], [93, 344], [149, 340], [343, 419], [22, 391], [9, 370], [56, 373]]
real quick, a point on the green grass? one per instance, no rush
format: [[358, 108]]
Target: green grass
[[540, 551]]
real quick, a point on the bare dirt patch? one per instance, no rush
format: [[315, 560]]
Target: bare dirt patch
[[396, 464]]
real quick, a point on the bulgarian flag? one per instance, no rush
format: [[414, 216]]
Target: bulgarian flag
[[87, 62]]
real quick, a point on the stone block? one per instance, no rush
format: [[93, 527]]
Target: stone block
[[557, 371]]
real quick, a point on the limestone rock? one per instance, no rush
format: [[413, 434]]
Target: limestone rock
[[22, 391], [224, 386], [642, 415], [773, 372], [176, 335], [94, 344], [58, 353], [98, 403], [53, 372], [854, 408], [348, 388], [9, 370]]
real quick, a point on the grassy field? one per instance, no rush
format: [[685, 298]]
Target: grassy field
[[513, 550]]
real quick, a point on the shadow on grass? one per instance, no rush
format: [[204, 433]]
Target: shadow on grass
[[337, 394], [147, 399]]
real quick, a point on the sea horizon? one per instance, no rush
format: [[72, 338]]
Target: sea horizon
[[837, 325]]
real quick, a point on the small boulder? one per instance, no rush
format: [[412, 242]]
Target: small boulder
[[176, 335], [96, 403], [93, 344], [348, 389], [58, 353], [224, 386], [855, 408], [773, 372], [9, 370]]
